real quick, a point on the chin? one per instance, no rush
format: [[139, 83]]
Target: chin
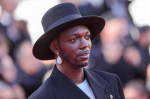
[[83, 64]]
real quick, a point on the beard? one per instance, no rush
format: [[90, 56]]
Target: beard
[[72, 60]]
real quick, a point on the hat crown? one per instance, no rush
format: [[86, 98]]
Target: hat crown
[[58, 12]]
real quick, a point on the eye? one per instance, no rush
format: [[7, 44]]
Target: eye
[[87, 36], [74, 39]]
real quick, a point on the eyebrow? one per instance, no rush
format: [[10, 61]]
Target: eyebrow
[[76, 33]]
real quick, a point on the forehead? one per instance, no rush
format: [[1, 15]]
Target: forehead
[[74, 30]]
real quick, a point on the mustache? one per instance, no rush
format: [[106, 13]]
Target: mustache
[[87, 51]]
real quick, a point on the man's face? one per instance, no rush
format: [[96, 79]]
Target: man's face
[[9, 5], [74, 45]]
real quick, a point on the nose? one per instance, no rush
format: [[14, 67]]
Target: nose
[[85, 44]]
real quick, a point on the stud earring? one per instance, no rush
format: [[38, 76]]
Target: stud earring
[[59, 60]]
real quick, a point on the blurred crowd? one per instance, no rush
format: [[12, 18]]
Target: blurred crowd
[[20, 73], [122, 48]]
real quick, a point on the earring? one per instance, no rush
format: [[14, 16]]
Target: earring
[[59, 60]]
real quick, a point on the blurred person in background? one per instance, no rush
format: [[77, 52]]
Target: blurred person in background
[[30, 70], [7, 11], [6, 91], [113, 39], [112, 42], [15, 30], [135, 89], [143, 45], [9, 92], [137, 53], [8, 76], [8, 69]]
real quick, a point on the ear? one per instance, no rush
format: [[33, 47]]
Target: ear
[[54, 47]]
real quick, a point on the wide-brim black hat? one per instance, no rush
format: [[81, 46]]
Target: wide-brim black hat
[[59, 18]]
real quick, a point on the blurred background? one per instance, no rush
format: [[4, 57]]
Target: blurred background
[[123, 47]]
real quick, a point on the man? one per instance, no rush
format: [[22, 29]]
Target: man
[[68, 38], [135, 89], [30, 71], [15, 30]]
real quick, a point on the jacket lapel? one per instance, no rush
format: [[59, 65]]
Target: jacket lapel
[[65, 88], [100, 87]]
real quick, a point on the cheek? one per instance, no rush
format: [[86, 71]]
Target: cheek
[[69, 51]]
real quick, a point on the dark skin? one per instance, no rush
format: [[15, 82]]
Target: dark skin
[[73, 46]]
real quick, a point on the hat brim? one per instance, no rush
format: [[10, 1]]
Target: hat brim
[[41, 48]]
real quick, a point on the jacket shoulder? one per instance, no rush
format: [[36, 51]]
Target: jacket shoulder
[[105, 75]]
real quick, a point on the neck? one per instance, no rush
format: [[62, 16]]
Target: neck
[[73, 73]]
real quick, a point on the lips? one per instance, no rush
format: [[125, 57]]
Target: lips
[[84, 55]]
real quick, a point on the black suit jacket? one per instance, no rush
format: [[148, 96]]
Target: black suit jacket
[[58, 86]]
